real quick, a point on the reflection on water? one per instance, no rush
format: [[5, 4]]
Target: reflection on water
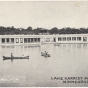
[[67, 60], [18, 46]]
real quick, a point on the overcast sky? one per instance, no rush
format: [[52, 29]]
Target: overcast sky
[[44, 14]]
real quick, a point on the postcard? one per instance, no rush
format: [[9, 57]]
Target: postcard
[[43, 43]]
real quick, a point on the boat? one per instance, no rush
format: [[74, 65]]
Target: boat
[[45, 55], [23, 57]]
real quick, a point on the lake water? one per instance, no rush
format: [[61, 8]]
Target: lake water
[[67, 60]]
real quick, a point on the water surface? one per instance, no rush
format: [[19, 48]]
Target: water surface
[[67, 60]]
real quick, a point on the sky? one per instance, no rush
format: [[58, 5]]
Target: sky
[[44, 14]]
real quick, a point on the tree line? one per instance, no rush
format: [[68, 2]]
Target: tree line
[[30, 30]]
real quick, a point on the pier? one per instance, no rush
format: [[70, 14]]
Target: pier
[[39, 39]]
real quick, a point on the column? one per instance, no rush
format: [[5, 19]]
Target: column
[[5, 40], [9, 40]]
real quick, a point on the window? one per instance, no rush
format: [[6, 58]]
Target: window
[[35, 39], [12, 40], [64, 38], [38, 39], [17, 40], [3, 40], [84, 39], [73, 38], [25, 40], [21, 40], [7, 40], [79, 38], [29, 40], [54, 39], [68, 38], [47, 39], [59, 38]]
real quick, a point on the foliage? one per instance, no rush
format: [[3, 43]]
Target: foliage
[[30, 30]]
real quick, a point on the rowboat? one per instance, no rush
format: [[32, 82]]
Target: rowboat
[[23, 57], [45, 55]]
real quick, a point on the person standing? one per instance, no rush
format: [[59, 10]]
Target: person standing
[[11, 55]]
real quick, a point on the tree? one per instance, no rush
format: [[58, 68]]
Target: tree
[[54, 30], [29, 28]]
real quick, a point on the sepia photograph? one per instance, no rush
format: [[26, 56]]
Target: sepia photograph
[[43, 43]]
